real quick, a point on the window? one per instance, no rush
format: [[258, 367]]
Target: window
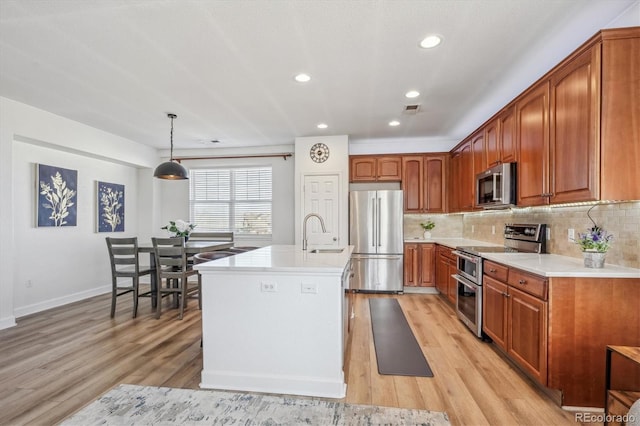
[[232, 199]]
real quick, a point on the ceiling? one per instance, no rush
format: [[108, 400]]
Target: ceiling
[[226, 67]]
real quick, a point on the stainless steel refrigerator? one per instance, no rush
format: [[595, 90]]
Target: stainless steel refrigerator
[[375, 229]]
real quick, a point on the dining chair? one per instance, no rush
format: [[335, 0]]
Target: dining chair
[[172, 265], [123, 254]]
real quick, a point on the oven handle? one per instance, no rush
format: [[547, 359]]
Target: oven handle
[[465, 282], [465, 256], [495, 187]]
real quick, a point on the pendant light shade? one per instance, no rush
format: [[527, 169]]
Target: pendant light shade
[[171, 169]]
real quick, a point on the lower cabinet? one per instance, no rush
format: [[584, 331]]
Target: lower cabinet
[[445, 268], [557, 329], [419, 265], [515, 316]]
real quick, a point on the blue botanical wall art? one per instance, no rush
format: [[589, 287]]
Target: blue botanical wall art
[[110, 197], [57, 196]]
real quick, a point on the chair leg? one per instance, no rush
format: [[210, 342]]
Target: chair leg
[[158, 297], [183, 295], [135, 296], [114, 295]]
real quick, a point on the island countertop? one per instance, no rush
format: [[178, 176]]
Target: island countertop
[[281, 258]]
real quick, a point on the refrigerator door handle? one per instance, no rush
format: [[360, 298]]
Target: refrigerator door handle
[[373, 221], [379, 210]]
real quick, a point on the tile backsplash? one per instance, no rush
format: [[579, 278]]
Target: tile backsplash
[[620, 219]]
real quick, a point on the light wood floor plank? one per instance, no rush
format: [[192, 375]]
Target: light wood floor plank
[[55, 362]]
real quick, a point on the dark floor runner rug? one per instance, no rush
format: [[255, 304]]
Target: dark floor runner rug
[[397, 349]]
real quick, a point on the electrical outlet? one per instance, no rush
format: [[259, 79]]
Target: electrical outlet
[[548, 234], [473, 229], [493, 229], [28, 284], [311, 288], [571, 235], [268, 286]]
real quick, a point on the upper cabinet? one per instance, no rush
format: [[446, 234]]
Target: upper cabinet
[[573, 142], [574, 133], [577, 129], [620, 112], [375, 168], [500, 139], [424, 183], [532, 124]]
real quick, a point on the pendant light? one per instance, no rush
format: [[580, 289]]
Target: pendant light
[[171, 169]]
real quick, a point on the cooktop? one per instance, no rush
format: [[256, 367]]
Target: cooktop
[[487, 249]]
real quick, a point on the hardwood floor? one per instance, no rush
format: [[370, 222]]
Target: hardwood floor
[[55, 362]]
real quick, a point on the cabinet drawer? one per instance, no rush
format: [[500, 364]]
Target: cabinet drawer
[[532, 284], [495, 270], [446, 252]]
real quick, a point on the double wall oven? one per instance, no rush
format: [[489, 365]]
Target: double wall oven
[[518, 238]]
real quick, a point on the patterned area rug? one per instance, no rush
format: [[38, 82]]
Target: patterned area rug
[[147, 405]]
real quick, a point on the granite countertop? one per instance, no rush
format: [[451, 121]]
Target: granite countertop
[[281, 258], [554, 265]]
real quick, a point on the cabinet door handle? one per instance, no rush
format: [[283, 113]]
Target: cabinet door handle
[[523, 282], [506, 294], [492, 270]]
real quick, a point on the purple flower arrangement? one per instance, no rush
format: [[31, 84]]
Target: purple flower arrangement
[[595, 239]]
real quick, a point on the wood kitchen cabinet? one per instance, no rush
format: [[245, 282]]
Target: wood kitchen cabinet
[[462, 178], [445, 267], [532, 124], [375, 168], [515, 316], [499, 138], [556, 330], [424, 183], [419, 265], [573, 142], [577, 132]]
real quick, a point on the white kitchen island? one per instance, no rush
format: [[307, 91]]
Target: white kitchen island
[[274, 320]]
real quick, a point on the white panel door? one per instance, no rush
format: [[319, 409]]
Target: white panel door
[[322, 196]]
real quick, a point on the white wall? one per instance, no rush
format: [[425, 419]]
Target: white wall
[[70, 263], [337, 163]]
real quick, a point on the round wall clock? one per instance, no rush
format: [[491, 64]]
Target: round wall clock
[[319, 153]]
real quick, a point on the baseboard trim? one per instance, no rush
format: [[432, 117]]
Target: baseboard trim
[[421, 290], [7, 322], [59, 301]]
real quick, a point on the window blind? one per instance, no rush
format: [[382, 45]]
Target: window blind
[[231, 199]]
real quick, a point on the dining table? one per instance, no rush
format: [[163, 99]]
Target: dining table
[[192, 248]]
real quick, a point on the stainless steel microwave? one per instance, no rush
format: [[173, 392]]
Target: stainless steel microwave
[[496, 187]]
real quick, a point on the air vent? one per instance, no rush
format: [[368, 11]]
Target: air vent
[[411, 109]]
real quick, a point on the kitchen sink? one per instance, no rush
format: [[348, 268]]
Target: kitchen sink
[[339, 250]]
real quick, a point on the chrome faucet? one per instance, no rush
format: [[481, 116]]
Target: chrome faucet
[[304, 228]]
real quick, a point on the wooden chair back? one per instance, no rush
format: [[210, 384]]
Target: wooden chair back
[[123, 254]]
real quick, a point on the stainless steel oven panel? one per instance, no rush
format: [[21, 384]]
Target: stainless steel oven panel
[[475, 323], [469, 266]]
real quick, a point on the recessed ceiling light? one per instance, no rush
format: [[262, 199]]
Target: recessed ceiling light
[[322, 126], [430, 41], [394, 123], [412, 94], [302, 78]]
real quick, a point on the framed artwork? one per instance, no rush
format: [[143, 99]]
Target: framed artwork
[[57, 190], [110, 207]]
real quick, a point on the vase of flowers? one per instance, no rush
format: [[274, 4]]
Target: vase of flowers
[[179, 228], [594, 245], [427, 226]]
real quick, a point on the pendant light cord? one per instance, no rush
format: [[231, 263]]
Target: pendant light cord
[[172, 116]]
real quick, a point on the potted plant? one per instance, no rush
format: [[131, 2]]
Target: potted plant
[[179, 228], [427, 226], [594, 244]]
